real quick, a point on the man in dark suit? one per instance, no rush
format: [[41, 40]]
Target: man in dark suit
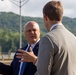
[[32, 34]]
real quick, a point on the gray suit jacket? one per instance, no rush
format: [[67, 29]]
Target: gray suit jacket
[[57, 53]]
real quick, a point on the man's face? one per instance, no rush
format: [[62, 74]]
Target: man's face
[[32, 33]]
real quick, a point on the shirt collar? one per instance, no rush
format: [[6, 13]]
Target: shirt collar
[[54, 25], [33, 45]]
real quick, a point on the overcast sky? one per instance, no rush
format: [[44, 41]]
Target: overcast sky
[[33, 8]]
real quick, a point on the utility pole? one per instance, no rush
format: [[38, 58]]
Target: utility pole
[[19, 3]]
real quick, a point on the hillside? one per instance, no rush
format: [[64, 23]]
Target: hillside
[[9, 29], [10, 21]]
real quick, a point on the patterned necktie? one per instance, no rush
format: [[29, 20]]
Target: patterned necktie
[[24, 63]]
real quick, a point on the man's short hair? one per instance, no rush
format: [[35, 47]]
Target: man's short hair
[[53, 10]]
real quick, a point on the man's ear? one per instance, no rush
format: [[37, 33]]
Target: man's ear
[[45, 17]]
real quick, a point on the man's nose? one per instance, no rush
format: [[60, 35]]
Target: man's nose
[[32, 32]]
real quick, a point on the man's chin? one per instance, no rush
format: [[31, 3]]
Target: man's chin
[[34, 41]]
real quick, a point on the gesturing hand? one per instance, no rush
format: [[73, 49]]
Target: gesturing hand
[[26, 56]]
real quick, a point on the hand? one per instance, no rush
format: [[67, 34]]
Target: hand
[[26, 56]]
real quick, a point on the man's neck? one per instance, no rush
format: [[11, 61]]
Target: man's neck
[[53, 23]]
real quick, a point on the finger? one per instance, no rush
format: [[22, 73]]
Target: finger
[[31, 49], [21, 61], [21, 51], [19, 54], [18, 57]]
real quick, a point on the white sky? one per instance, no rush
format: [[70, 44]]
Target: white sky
[[33, 8]]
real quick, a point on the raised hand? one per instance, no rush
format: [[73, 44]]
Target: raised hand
[[26, 56]]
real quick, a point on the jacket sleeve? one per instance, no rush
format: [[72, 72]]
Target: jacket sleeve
[[5, 69]]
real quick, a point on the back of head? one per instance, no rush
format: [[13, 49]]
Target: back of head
[[53, 10]]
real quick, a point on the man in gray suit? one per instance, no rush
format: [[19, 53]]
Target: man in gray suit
[[57, 49]]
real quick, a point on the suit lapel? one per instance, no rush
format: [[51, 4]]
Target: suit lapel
[[35, 50]]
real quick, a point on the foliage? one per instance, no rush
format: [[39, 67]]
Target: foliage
[[9, 29]]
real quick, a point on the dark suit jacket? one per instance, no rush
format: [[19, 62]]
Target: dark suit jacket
[[13, 69]]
